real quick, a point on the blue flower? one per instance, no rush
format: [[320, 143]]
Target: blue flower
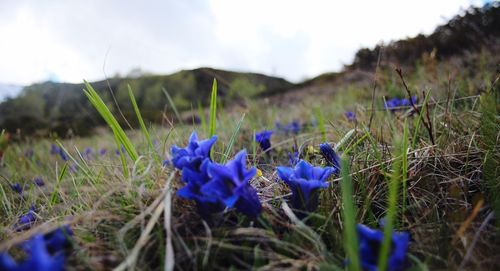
[[38, 259], [38, 181], [27, 220], [17, 188], [195, 179], [193, 154], [392, 104], [54, 149], [230, 183], [330, 156], [63, 154], [264, 139], [350, 116], [166, 162], [102, 151], [370, 242], [87, 153], [305, 180], [58, 239], [292, 127]]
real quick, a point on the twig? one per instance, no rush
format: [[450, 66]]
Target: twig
[[427, 123]]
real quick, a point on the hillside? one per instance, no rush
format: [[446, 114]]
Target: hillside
[[61, 107]]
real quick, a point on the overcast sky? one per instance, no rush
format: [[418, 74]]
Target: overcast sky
[[74, 40]]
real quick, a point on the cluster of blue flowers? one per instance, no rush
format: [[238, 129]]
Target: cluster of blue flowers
[[370, 242], [215, 186], [44, 252], [290, 128], [396, 103]]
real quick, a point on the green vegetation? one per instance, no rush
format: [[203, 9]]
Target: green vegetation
[[430, 171]]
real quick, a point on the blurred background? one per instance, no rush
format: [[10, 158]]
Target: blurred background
[[255, 48]]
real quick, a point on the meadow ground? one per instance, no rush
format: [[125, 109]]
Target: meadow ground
[[431, 171]]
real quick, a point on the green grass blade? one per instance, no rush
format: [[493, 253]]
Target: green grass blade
[[404, 166], [392, 208], [419, 120], [349, 217], [213, 110], [53, 197], [172, 104], [143, 126], [106, 114], [321, 123], [232, 139]]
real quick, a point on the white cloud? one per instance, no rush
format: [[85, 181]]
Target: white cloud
[[294, 39]]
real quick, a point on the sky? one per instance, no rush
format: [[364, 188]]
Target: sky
[[68, 41]]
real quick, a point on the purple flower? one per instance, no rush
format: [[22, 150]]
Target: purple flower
[[58, 239], [230, 183], [291, 128], [166, 162], [38, 181], [102, 151], [330, 156], [117, 151], [38, 258], [370, 242], [392, 104], [27, 220], [63, 154], [264, 139], [17, 188], [54, 149], [207, 204], [87, 153], [305, 180], [350, 116], [193, 154]]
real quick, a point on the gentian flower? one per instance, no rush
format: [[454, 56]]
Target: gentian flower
[[392, 104], [330, 156], [38, 259], [293, 127], [193, 154], [87, 153], [38, 181], [264, 139], [370, 242], [58, 239], [231, 184], [27, 220], [166, 162], [117, 151], [63, 154], [17, 188], [195, 179], [54, 149], [305, 180], [350, 116], [102, 151]]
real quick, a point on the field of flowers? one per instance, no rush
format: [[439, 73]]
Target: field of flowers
[[400, 174]]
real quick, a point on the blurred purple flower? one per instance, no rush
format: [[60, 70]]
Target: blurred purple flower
[[17, 188], [27, 220], [264, 139], [350, 116], [38, 181]]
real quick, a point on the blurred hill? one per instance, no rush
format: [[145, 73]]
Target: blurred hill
[[47, 108]]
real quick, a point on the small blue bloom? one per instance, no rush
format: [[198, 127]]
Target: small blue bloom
[[54, 149], [166, 162], [117, 151], [63, 154], [207, 204], [87, 153], [292, 127], [102, 151], [27, 220], [264, 139], [17, 188], [38, 259], [193, 154], [231, 184], [330, 156], [370, 242], [58, 239], [350, 116], [38, 181], [392, 104], [305, 180]]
